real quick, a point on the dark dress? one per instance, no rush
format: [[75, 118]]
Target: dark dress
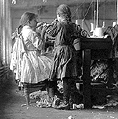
[[65, 59]]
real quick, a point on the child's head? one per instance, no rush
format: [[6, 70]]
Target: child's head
[[63, 12], [29, 19]]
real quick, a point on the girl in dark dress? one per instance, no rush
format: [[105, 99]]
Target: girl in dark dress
[[65, 60]]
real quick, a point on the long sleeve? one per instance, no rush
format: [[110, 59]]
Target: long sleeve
[[53, 29], [33, 42], [37, 42]]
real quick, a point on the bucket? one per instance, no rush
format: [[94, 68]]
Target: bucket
[[77, 44], [98, 32]]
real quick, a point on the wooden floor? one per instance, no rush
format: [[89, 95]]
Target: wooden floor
[[11, 100]]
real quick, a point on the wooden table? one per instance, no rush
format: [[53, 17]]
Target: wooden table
[[93, 49]]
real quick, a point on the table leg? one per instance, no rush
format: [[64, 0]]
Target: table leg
[[111, 80], [86, 78]]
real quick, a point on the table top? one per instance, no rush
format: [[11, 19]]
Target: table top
[[96, 43]]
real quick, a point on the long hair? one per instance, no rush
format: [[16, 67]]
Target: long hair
[[26, 17], [64, 11]]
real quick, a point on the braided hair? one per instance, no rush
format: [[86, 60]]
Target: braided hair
[[64, 11]]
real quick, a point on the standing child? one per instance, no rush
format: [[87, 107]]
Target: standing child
[[65, 59]]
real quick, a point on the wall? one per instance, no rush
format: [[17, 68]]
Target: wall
[[16, 14], [107, 13]]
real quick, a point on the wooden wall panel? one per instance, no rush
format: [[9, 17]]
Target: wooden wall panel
[[5, 31]]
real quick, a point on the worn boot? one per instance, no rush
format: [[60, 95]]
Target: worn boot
[[64, 105], [66, 95]]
